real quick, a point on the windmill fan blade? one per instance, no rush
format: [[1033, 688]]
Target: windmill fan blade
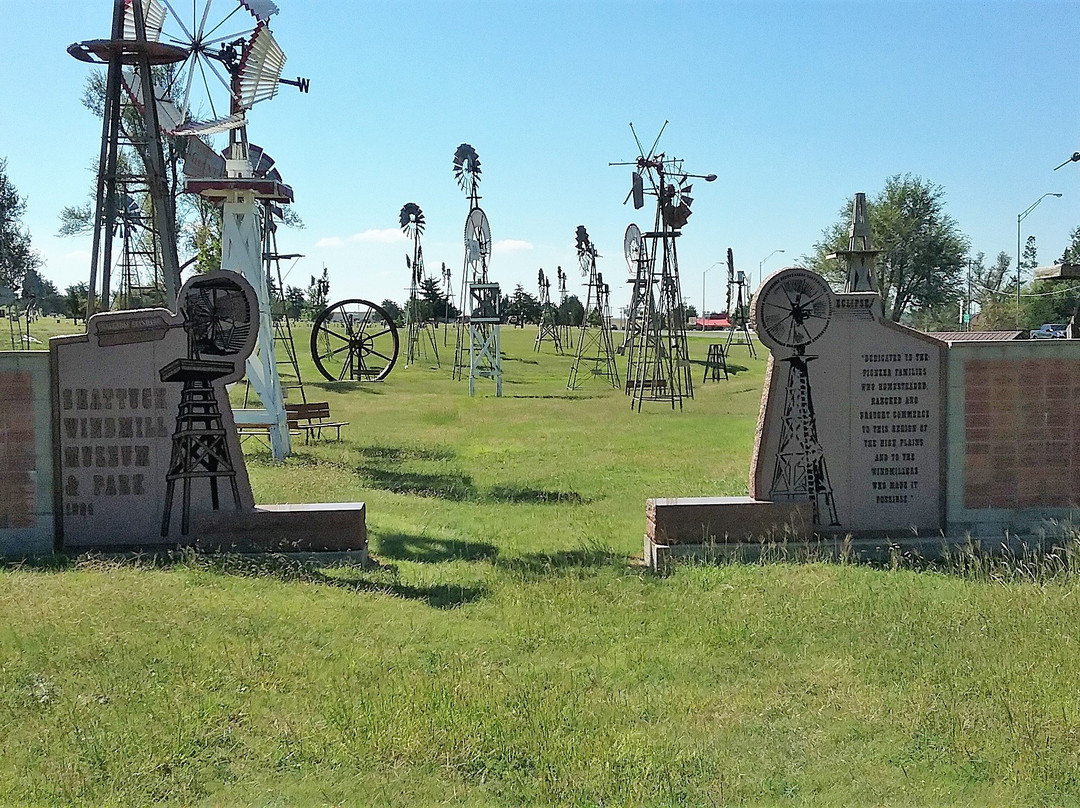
[[261, 10], [637, 188], [687, 200], [466, 166], [169, 118], [260, 68], [153, 15], [201, 161], [261, 162], [213, 127]]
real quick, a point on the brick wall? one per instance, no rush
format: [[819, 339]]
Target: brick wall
[[18, 499], [1021, 433]]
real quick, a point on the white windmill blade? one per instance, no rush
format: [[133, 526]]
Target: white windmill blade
[[212, 127], [153, 14], [169, 117], [260, 68], [262, 10]]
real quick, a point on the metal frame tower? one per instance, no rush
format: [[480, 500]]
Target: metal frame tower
[[547, 328], [131, 135], [595, 347], [417, 328], [485, 359], [477, 250], [658, 361], [739, 316]]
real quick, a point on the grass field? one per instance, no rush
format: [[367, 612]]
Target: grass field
[[506, 650]]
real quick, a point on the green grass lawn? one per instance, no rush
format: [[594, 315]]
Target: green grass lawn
[[507, 650]]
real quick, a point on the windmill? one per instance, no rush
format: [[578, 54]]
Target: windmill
[[479, 347], [231, 62], [420, 332], [658, 363], [548, 328], [595, 349], [739, 316], [793, 309], [566, 328], [446, 278]]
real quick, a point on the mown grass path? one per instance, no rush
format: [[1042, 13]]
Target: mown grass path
[[507, 650]]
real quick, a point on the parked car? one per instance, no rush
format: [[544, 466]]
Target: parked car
[[1049, 331]]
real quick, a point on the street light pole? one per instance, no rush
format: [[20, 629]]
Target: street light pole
[[703, 274], [761, 263], [1019, 218]]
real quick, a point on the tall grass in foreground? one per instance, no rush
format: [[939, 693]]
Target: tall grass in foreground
[[507, 650]]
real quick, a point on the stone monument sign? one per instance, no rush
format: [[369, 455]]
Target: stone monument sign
[[123, 438], [852, 410]]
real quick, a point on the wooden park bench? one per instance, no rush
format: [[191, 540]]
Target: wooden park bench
[[261, 432], [312, 418]]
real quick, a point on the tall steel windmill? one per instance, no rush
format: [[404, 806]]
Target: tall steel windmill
[[420, 330], [738, 303], [548, 328], [477, 257], [658, 362], [595, 348]]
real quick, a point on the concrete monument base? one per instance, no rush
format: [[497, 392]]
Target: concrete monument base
[[309, 528]]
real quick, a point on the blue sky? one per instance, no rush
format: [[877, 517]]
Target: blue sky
[[795, 106]]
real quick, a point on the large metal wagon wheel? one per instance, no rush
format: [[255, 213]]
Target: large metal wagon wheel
[[354, 340]]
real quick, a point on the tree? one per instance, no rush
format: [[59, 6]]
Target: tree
[[571, 312], [921, 267], [393, 311], [433, 302], [992, 289], [75, 300], [43, 292], [522, 307], [17, 256], [1072, 251], [294, 302], [1029, 259]]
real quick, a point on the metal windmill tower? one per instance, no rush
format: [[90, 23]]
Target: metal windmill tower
[[595, 348], [477, 257], [738, 295], [658, 363], [548, 328], [131, 136], [566, 329], [420, 331], [447, 286]]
